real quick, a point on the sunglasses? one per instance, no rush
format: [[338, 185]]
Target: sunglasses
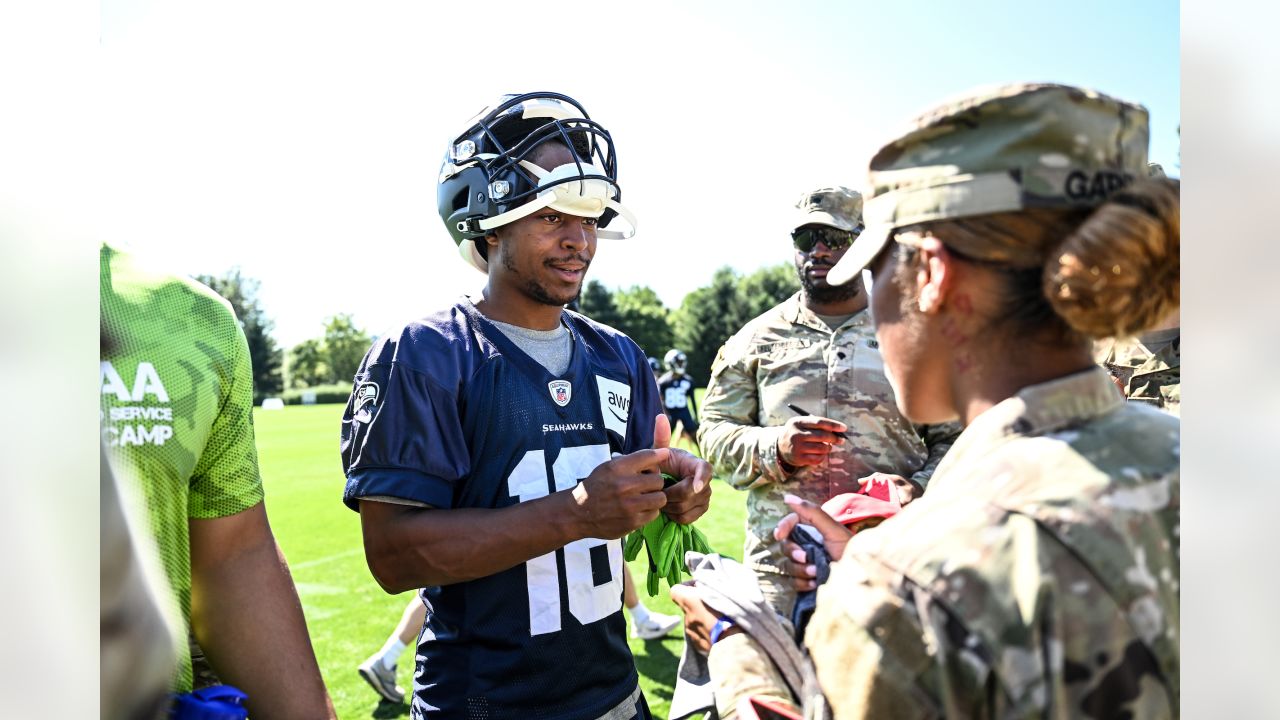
[[806, 238]]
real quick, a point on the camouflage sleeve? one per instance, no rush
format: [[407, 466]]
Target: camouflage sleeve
[[744, 454], [741, 669], [938, 439], [869, 649]]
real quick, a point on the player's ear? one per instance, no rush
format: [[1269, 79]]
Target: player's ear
[[661, 431]]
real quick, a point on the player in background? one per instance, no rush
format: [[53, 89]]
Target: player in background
[[498, 448], [379, 669], [177, 416], [676, 388]]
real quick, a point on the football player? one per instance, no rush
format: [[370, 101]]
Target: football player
[[498, 448], [677, 396]]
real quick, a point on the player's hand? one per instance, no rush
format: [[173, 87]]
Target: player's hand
[[834, 535], [698, 618], [621, 495], [890, 488], [688, 499], [808, 439]]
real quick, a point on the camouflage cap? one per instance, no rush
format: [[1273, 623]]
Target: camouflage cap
[[998, 150], [838, 207]]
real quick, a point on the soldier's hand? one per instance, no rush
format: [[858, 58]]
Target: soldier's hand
[[689, 498], [808, 439], [890, 488], [621, 495], [834, 535], [796, 565]]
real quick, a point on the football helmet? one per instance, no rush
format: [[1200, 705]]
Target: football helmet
[[487, 181], [653, 364], [675, 361]]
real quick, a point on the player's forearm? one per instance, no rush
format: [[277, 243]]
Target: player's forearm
[[247, 618], [410, 547], [744, 455]]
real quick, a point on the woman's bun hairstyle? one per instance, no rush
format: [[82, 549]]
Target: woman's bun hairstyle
[[1118, 273]]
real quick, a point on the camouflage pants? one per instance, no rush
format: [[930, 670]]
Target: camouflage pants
[[777, 590]]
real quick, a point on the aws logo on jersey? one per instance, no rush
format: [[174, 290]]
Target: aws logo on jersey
[[561, 391], [366, 402], [615, 404]]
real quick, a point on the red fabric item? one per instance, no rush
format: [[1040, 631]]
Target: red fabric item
[[758, 708], [849, 508]]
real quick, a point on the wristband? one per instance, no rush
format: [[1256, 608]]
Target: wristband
[[718, 629]]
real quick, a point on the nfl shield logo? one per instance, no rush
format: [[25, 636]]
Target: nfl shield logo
[[561, 391]]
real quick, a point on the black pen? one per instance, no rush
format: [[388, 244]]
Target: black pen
[[801, 411]]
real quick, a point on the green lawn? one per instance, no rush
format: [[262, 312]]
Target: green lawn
[[348, 615]]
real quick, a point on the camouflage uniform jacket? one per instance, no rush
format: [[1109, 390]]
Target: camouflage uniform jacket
[[789, 355], [1143, 376], [1038, 577]]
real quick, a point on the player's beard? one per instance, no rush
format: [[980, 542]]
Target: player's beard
[[819, 291], [541, 294]]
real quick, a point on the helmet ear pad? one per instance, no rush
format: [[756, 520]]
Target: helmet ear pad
[[470, 200]]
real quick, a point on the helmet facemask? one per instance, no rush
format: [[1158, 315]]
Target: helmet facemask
[[488, 179]]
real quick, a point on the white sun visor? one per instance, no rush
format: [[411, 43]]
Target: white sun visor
[[548, 108], [584, 192]]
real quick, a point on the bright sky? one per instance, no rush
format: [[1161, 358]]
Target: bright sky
[[301, 140]]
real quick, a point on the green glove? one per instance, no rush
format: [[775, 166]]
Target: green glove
[[666, 542]]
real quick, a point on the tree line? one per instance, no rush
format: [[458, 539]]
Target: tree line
[[705, 318], [330, 359]]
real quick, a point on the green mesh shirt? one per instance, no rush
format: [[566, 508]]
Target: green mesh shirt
[[177, 402]]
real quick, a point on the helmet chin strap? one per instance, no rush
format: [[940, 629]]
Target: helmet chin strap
[[567, 191]]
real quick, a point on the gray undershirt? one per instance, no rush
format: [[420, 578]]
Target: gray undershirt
[[551, 348], [835, 321]]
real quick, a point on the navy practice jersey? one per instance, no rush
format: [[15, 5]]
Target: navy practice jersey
[[451, 413], [676, 390]]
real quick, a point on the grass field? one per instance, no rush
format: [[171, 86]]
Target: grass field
[[348, 615]]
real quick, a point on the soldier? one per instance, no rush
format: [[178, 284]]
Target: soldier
[[815, 352], [1147, 368], [1039, 575]]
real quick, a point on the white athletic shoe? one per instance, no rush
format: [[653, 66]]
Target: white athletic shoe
[[655, 626], [382, 681]]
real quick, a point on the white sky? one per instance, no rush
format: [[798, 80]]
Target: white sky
[[301, 140]]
